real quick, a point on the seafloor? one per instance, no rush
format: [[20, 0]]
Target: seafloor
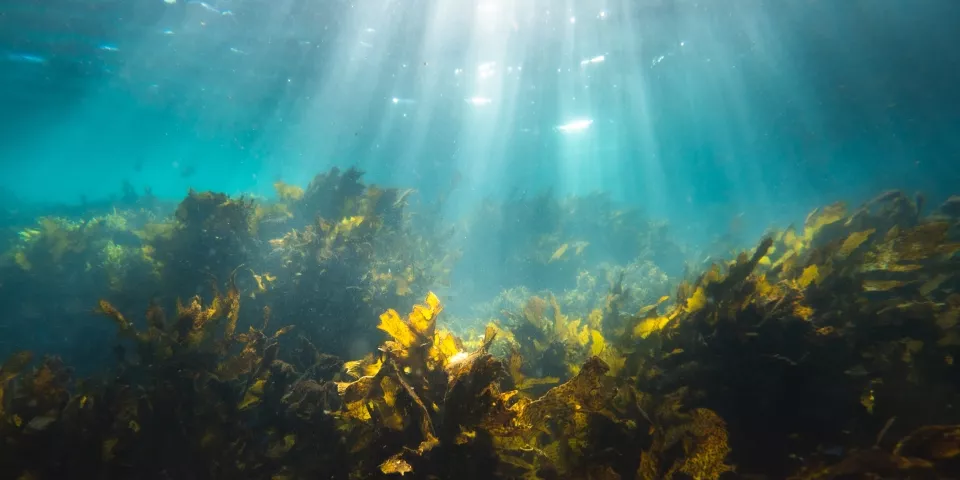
[[301, 339]]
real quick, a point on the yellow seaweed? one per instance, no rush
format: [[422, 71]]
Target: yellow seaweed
[[395, 464], [398, 330]]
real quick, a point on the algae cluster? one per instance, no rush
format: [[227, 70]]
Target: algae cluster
[[304, 340]]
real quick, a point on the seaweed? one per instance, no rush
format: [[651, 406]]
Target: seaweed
[[355, 254], [209, 235], [814, 340], [824, 351], [543, 243]]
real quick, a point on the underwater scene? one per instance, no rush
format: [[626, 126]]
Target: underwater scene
[[479, 239]]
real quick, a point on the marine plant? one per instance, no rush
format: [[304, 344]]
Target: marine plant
[[825, 351], [209, 235], [823, 343], [544, 243], [358, 253]]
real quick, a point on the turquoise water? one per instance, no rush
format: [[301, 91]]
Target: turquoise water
[[504, 125], [722, 119], [698, 110]]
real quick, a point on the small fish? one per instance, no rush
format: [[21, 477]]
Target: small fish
[[209, 8], [274, 219], [26, 58], [558, 254], [40, 423], [187, 171]]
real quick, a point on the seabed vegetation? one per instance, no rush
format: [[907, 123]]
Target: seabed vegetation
[[301, 338]]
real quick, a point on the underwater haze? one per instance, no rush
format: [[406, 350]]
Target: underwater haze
[[679, 106], [530, 239]]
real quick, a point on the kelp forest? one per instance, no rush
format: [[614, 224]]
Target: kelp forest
[[318, 335]]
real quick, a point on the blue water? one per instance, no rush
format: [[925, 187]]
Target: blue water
[[698, 109], [702, 114]]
